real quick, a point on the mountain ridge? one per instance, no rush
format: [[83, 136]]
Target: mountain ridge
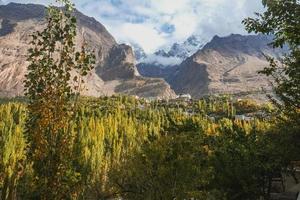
[[224, 65], [227, 65], [19, 21]]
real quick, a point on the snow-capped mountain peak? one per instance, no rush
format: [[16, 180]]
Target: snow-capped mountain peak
[[162, 52], [187, 48], [194, 41], [177, 52], [138, 52]]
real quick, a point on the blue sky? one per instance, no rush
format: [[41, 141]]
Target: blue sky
[[157, 23]]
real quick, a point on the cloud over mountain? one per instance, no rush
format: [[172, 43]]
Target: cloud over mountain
[[153, 23]]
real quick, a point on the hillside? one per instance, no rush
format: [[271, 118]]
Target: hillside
[[115, 62], [224, 65]]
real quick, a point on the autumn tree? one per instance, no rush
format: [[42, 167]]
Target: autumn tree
[[245, 158], [282, 19], [53, 58], [12, 149], [172, 167]]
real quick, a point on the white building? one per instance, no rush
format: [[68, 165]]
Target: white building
[[243, 117], [184, 97]]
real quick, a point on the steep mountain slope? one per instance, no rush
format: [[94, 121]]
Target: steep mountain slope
[[115, 63], [184, 50], [163, 63], [157, 70], [226, 65]]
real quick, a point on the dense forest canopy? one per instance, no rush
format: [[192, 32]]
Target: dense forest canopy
[[137, 149]]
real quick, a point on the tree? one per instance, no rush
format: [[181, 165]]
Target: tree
[[245, 161], [51, 101], [171, 167], [12, 148], [282, 19]]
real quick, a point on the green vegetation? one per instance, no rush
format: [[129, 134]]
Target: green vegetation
[[52, 102], [158, 150], [57, 145], [282, 19]]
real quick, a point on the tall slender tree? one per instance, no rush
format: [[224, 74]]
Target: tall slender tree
[[51, 98]]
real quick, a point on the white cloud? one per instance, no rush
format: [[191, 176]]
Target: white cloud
[[185, 24], [140, 21], [144, 35], [169, 7], [104, 8], [165, 61]]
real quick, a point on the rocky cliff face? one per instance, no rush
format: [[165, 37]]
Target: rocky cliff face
[[226, 65], [115, 70], [157, 70], [119, 64]]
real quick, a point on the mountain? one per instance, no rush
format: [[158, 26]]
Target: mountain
[[139, 52], [226, 65], [115, 70], [183, 50], [187, 48], [178, 51], [155, 70], [163, 63]]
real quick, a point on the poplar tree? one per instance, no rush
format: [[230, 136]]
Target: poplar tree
[[12, 149], [52, 58]]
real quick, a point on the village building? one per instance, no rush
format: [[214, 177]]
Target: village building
[[184, 97]]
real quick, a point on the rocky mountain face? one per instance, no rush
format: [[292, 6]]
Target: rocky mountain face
[[163, 63], [157, 70], [185, 49], [226, 65], [119, 64], [139, 52], [115, 70]]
